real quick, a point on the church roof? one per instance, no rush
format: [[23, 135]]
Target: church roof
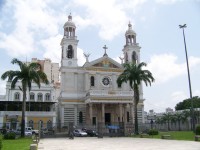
[[104, 62]]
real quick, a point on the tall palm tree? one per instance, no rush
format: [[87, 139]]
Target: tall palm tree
[[134, 74], [27, 74]]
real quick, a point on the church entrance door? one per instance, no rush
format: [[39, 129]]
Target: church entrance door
[[107, 118]]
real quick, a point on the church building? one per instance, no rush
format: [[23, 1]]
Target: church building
[[89, 94]]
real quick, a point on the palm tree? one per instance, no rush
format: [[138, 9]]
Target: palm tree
[[167, 117], [134, 74], [179, 116], [27, 74]]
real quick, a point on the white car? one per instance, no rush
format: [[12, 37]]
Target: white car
[[28, 133], [79, 132]]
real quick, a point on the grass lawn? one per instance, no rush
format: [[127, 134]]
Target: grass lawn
[[17, 144], [177, 135]]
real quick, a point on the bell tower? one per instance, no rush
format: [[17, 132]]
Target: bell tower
[[131, 49], [69, 45]]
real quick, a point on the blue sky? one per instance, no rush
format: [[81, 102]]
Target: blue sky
[[35, 28]]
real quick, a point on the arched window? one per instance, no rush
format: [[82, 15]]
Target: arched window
[[17, 96], [40, 124], [70, 52], [47, 97], [49, 124], [32, 96], [31, 123], [92, 81], [134, 57], [80, 117], [39, 97]]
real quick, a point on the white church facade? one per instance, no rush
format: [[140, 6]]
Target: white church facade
[[89, 94]]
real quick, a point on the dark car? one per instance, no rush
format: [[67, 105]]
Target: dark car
[[91, 133]]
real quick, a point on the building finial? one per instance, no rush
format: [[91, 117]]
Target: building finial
[[70, 17], [129, 25], [105, 48], [121, 58], [86, 56]]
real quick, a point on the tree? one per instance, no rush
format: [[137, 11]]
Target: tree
[[134, 74], [186, 104], [167, 117], [27, 74]]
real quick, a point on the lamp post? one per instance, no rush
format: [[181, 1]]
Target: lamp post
[[188, 71]]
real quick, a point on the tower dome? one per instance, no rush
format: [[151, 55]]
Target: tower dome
[[69, 23], [69, 28], [130, 35], [130, 30]]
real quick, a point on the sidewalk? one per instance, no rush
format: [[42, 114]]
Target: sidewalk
[[117, 143]]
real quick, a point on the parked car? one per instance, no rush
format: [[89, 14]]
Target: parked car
[[18, 132], [31, 130], [90, 132], [79, 132], [28, 133]]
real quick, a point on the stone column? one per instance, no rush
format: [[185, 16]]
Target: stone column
[[75, 115], [125, 113], [90, 111], [114, 84], [103, 113], [131, 112], [120, 112], [97, 81], [87, 82]]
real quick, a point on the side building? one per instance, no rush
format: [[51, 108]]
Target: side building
[[40, 103]]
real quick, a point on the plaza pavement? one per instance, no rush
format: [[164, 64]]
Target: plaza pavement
[[115, 143]]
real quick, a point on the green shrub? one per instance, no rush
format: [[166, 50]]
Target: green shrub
[[10, 135], [1, 145], [197, 130], [153, 132]]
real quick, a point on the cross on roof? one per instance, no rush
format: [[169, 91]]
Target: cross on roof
[[105, 48]]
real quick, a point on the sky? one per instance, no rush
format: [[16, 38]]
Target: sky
[[34, 29]]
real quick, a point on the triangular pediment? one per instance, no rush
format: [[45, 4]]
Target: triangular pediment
[[104, 62]]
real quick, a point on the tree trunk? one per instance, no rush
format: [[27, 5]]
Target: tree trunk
[[136, 100], [23, 111]]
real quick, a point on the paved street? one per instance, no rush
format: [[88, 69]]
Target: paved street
[[121, 143]]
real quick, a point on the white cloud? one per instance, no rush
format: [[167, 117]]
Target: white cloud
[[168, 1], [178, 96], [107, 15], [31, 21], [196, 93], [52, 48], [165, 67]]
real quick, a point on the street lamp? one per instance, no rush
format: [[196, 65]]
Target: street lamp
[[192, 107]]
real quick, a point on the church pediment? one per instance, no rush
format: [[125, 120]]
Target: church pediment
[[104, 63]]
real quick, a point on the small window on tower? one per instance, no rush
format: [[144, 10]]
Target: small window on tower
[[92, 81], [126, 58], [70, 52], [134, 57]]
